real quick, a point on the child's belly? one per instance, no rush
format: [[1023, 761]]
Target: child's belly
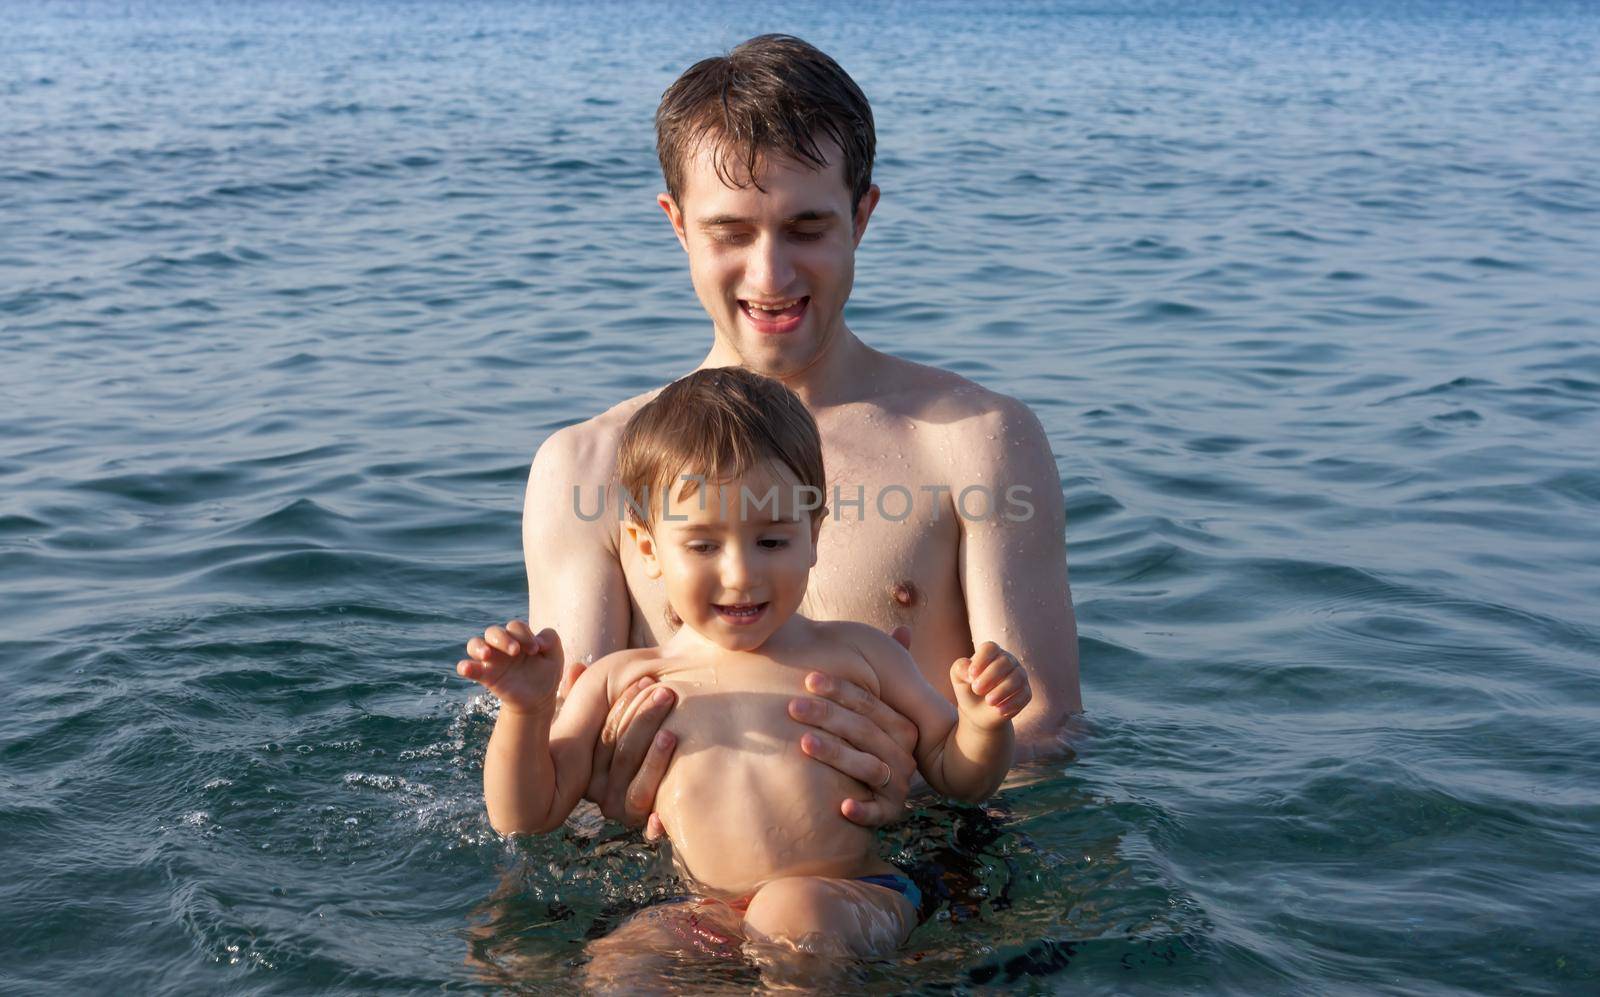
[[743, 805]]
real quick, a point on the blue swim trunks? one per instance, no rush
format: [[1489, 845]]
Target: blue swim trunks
[[897, 883]]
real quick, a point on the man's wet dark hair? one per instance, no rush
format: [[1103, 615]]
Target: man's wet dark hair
[[772, 95]]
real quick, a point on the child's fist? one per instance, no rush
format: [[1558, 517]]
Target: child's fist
[[991, 686], [519, 666]]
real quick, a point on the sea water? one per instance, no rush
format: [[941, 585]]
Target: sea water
[[1304, 294]]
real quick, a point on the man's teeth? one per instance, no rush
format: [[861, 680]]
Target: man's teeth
[[779, 307]]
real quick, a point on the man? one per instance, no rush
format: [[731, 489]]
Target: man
[[945, 523]]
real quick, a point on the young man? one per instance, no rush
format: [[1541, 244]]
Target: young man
[[767, 155]]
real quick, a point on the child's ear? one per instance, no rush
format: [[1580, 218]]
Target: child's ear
[[645, 544], [816, 531]]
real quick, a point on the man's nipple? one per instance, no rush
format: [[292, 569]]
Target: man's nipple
[[905, 593]]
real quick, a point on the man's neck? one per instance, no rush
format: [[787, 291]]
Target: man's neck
[[840, 374]]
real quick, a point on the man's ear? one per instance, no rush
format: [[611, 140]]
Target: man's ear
[[645, 544], [864, 207], [675, 216]]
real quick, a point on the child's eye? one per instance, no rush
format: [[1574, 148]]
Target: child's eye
[[807, 236], [774, 543], [703, 547]]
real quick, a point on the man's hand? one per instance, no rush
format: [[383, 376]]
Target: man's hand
[[520, 667], [863, 738], [991, 686], [631, 757]]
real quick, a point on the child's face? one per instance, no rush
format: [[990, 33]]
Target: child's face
[[734, 571]]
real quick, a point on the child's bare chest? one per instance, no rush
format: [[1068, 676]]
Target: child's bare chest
[[741, 701], [740, 801]]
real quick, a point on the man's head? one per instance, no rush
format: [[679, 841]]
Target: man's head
[[774, 94], [767, 154], [725, 471]]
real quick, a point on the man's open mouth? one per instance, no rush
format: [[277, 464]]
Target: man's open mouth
[[741, 613], [775, 316]]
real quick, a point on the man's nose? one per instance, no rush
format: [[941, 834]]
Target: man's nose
[[769, 269]]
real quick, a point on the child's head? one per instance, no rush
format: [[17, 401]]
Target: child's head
[[723, 479]]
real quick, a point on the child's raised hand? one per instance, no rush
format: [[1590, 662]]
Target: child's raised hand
[[991, 686], [519, 666]]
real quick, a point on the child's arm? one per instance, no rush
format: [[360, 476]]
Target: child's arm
[[534, 775], [965, 751]]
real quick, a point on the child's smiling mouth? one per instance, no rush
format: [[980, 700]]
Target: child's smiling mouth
[[742, 613]]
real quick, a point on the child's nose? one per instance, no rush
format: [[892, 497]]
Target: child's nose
[[735, 568]]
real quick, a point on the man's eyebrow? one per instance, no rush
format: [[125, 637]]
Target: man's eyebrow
[[716, 221]]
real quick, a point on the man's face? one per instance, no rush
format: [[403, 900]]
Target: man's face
[[735, 557], [773, 268]]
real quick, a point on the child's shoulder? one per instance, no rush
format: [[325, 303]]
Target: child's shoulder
[[876, 648], [619, 668], [864, 637]]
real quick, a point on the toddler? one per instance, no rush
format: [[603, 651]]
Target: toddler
[[723, 482]]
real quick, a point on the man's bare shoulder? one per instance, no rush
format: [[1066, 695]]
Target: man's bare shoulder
[[971, 420], [575, 465], [587, 451]]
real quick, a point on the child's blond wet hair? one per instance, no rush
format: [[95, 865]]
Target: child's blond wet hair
[[714, 426]]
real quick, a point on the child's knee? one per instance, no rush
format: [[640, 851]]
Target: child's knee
[[789, 908], [824, 917]]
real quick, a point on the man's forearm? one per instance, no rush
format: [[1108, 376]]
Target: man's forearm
[[1046, 726], [1043, 734], [519, 777]]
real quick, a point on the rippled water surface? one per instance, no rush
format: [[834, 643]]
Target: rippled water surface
[[1305, 296]]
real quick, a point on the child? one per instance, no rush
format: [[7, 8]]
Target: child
[[724, 474]]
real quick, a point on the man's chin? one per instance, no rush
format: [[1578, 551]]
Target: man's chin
[[780, 363]]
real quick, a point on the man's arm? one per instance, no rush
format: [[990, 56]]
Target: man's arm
[[1013, 564], [1013, 574], [575, 581]]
